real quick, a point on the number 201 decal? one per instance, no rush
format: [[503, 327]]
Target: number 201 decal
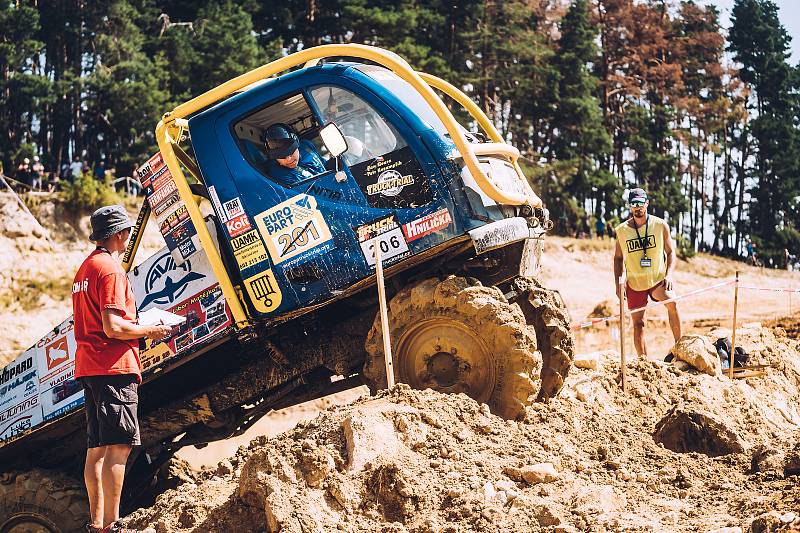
[[293, 227]]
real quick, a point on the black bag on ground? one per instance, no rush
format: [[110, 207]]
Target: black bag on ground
[[723, 347]]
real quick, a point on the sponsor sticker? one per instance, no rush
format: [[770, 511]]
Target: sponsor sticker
[[416, 229], [166, 281], [294, 227], [386, 233], [146, 171], [248, 249], [238, 225], [390, 183], [162, 194], [57, 352], [18, 419], [233, 208], [187, 249], [166, 204], [264, 291], [212, 194], [394, 180]]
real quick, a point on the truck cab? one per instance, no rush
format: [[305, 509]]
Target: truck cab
[[299, 242]]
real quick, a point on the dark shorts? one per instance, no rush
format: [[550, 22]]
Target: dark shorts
[[111, 410]]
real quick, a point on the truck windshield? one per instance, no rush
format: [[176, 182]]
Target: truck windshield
[[406, 93]]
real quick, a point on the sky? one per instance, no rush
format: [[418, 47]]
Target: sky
[[789, 16]]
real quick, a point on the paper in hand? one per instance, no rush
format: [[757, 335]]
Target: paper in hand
[[155, 316]]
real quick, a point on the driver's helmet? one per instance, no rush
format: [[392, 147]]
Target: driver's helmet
[[280, 141]]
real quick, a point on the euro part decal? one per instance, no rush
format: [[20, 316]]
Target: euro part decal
[[394, 180], [248, 249], [386, 233], [264, 291], [294, 230], [416, 229]]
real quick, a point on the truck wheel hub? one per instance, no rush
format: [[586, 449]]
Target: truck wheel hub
[[445, 355]]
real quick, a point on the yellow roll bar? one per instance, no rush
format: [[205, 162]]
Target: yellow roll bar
[[397, 65], [487, 125]]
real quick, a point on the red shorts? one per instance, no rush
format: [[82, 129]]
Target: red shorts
[[637, 299]]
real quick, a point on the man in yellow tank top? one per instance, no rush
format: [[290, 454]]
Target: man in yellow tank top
[[645, 248]]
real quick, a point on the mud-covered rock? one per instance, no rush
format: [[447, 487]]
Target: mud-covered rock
[[698, 351]]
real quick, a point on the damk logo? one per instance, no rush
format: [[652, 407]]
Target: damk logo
[[166, 281], [637, 243]]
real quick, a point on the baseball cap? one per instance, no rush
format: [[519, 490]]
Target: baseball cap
[[107, 221], [637, 195]]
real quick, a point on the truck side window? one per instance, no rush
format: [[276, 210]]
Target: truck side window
[[368, 134], [379, 158]]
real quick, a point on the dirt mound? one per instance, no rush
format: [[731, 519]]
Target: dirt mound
[[419, 461]]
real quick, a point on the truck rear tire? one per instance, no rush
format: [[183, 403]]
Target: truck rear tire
[[42, 501], [457, 336], [545, 311]]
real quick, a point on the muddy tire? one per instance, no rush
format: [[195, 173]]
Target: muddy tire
[[545, 311], [457, 336], [42, 501]]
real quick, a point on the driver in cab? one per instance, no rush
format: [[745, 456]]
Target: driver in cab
[[291, 160]]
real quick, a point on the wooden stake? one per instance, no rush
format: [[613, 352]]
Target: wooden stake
[[622, 336], [733, 334], [387, 345]]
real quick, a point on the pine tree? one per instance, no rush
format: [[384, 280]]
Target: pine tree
[[760, 44], [23, 88], [123, 100], [579, 137]]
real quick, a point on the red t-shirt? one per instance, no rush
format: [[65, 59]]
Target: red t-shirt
[[100, 284]]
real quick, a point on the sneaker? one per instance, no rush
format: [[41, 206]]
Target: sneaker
[[92, 529], [119, 527]]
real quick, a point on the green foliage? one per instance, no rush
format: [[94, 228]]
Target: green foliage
[[598, 95], [760, 43], [685, 249], [86, 194]]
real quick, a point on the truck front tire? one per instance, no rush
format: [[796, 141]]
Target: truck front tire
[[42, 501], [457, 336]]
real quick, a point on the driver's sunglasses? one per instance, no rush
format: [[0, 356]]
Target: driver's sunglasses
[[636, 204]]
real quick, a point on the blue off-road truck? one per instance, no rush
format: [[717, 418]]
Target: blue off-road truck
[[276, 277]]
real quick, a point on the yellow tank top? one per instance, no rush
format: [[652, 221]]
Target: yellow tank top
[[634, 246]]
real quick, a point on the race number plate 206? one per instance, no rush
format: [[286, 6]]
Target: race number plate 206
[[386, 233]]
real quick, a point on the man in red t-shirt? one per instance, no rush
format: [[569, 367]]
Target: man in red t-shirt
[[107, 364]]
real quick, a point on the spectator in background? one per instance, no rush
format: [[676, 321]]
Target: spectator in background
[[24, 172], [85, 168], [100, 170], [600, 227], [37, 174], [610, 230], [53, 182], [75, 168]]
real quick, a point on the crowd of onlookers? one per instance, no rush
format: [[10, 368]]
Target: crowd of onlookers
[[33, 175]]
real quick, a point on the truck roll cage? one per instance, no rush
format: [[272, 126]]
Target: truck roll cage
[[175, 123]]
